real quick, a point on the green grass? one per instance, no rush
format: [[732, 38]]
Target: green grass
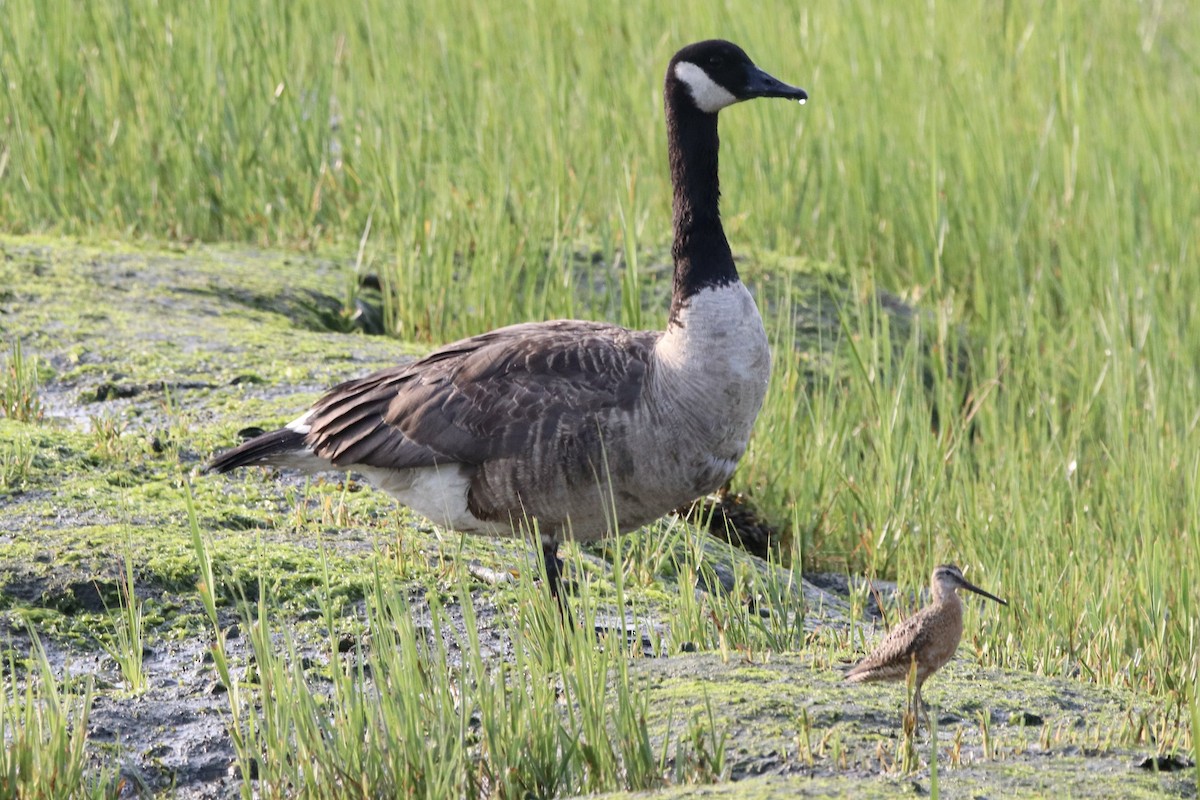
[[126, 643], [1023, 172], [389, 706], [16, 461], [19, 386], [43, 725]]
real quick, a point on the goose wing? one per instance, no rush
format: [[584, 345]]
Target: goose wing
[[486, 397]]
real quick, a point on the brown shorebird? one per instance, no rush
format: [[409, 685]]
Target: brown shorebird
[[928, 638]]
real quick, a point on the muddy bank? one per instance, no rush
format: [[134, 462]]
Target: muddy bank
[[152, 359]]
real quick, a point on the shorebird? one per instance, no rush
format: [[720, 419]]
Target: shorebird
[[927, 638], [584, 428]]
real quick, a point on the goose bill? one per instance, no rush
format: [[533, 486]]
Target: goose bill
[[761, 84]]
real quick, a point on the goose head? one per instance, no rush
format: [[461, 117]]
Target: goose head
[[716, 73]]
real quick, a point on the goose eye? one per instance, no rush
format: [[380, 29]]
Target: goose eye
[[715, 61]]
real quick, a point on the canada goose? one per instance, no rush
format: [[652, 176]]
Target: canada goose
[[587, 428]]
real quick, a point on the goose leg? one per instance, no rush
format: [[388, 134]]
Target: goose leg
[[554, 568]]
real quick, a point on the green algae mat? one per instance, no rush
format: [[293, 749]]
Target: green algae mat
[[137, 363]]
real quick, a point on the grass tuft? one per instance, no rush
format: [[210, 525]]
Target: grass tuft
[[43, 725], [19, 399], [126, 644], [398, 715], [16, 462]]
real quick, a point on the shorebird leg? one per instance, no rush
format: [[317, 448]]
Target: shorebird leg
[[919, 706]]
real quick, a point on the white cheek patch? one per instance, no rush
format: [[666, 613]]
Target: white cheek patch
[[708, 95]]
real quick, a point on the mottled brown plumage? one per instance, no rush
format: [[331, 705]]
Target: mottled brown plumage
[[525, 410], [485, 398], [928, 637]]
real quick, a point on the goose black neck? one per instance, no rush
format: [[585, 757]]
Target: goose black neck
[[701, 253]]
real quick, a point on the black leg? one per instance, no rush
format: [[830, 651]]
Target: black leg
[[554, 566]]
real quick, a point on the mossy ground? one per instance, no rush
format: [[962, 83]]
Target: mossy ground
[[794, 727], [150, 360]]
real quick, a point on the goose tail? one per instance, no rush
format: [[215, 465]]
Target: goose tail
[[276, 448]]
